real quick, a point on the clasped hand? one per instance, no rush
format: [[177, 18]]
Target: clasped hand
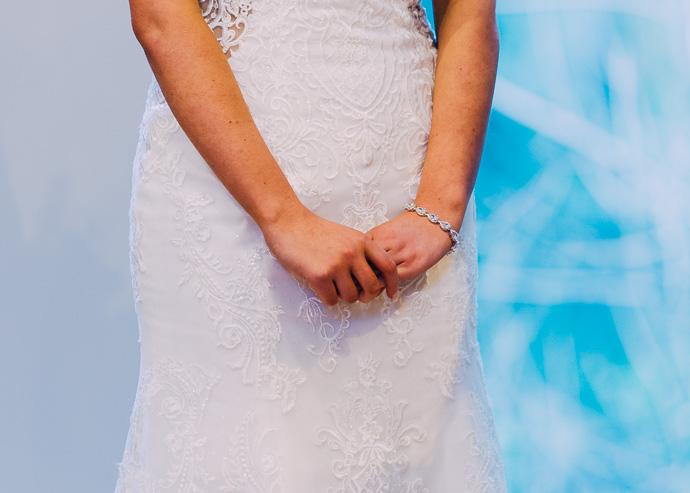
[[339, 262]]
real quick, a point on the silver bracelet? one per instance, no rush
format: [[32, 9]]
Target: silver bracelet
[[444, 225]]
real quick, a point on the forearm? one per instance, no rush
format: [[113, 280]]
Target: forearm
[[204, 96], [463, 90]]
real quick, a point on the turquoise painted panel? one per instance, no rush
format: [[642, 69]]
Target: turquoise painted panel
[[584, 242]]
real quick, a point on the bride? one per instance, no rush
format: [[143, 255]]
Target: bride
[[290, 172]]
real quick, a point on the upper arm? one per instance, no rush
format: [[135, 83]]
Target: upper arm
[[455, 12], [150, 16]]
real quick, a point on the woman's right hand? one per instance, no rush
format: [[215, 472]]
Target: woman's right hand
[[335, 260]]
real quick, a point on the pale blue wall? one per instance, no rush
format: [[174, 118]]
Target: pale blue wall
[[72, 89], [583, 202]]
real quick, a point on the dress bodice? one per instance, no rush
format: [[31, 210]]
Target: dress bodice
[[232, 20]]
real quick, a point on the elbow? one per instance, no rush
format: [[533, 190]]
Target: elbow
[[494, 37], [148, 24], [491, 22], [157, 24], [487, 30], [144, 29], [487, 27]]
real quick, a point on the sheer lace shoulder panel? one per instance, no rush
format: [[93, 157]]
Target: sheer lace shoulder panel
[[229, 21], [421, 20]]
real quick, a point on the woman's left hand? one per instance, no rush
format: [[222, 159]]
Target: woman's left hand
[[414, 242]]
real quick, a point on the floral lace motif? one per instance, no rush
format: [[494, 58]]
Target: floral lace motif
[[136, 261], [250, 467], [228, 19], [401, 319], [178, 395], [329, 323], [370, 432], [486, 473], [244, 326], [450, 369], [421, 20]]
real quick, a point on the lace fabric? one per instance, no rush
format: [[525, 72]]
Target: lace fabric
[[248, 382], [228, 19]]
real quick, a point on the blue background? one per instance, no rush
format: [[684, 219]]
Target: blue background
[[583, 208], [584, 241]]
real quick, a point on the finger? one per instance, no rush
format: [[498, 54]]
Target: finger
[[390, 244], [372, 232], [367, 280], [346, 288], [411, 268], [386, 265], [405, 271], [378, 293], [357, 285], [326, 292]]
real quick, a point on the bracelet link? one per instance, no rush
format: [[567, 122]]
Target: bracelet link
[[444, 225]]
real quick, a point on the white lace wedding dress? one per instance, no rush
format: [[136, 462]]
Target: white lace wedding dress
[[248, 383]]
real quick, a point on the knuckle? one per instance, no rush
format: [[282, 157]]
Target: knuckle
[[365, 299], [388, 264], [322, 276], [372, 286], [350, 298], [350, 252]]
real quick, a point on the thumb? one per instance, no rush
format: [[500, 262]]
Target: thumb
[[370, 234]]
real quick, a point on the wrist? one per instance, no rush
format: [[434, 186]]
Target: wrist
[[446, 184], [276, 213], [452, 233], [450, 209]]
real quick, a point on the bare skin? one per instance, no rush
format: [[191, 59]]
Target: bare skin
[[336, 261], [463, 90], [198, 84]]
